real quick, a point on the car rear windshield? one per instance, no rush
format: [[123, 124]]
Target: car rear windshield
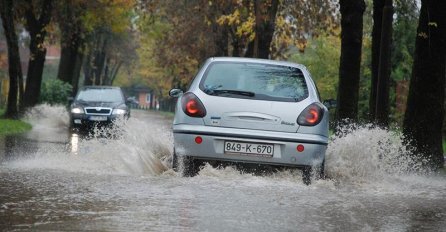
[[100, 95], [254, 81]]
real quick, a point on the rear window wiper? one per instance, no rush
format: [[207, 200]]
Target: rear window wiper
[[236, 92]]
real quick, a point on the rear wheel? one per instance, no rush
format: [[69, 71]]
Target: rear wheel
[[321, 171], [185, 165], [308, 173]]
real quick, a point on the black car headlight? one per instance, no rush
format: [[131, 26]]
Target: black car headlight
[[77, 110], [119, 111]]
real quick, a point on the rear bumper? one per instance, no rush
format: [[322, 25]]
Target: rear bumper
[[285, 152]]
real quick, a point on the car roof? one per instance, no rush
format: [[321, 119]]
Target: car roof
[[257, 60]]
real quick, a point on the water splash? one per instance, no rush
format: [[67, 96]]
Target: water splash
[[50, 123], [359, 154], [142, 145], [46, 116], [366, 153]]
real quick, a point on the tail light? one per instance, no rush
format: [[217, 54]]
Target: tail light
[[311, 115], [192, 106]]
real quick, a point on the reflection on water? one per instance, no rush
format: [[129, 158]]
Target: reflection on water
[[14, 146], [74, 143]]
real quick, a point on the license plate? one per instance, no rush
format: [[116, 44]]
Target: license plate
[[98, 118], [254, 149]]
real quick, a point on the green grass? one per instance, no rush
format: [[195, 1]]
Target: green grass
[[444, 146], [10, 126]]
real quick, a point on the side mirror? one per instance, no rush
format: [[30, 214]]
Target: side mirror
[[175, 92], [330, 103]]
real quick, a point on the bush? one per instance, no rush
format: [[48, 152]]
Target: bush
[[55, 92]]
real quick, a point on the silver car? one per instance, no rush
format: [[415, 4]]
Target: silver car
[[250, 111]]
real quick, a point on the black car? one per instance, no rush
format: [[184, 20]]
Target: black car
[[97, 106]]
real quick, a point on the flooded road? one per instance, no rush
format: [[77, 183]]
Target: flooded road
[[51, 180]]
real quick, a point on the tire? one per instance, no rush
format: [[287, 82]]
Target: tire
[[321, 171], [185, 165], [175, 161], [307, 173]]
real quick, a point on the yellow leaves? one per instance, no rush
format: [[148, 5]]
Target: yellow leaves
[[423, 35], [433, 24], [280, 21], [247, 29], [244, 25], [114, 14], [231, 19], [301, 44]]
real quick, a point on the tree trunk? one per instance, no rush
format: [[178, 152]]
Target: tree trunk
[[221, 40], [88, 71], [378, 6], [36, 27], [265, 22], [77, 72], [250, 49], [110, 71], [35, 71], [71, 52], [15, 70], [349, 69], [69, 25], [115, 72], [382, 107], [235, 42], [267, 28], [99, 59], [425, 109]]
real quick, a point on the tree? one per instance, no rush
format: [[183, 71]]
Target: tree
[[349, 69], [321, 57], [179, 35], [15, 70], [37, 17], [378, 6], [287, 22], [265, 22], [425, 104], [381, 86], [72, 42], [109, 40], [403, 49]]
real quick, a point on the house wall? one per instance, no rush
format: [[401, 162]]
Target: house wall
[[142, 98], [144, 101]]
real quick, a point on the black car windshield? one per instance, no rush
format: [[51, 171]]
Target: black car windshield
[[100, 95], [255, 81]]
